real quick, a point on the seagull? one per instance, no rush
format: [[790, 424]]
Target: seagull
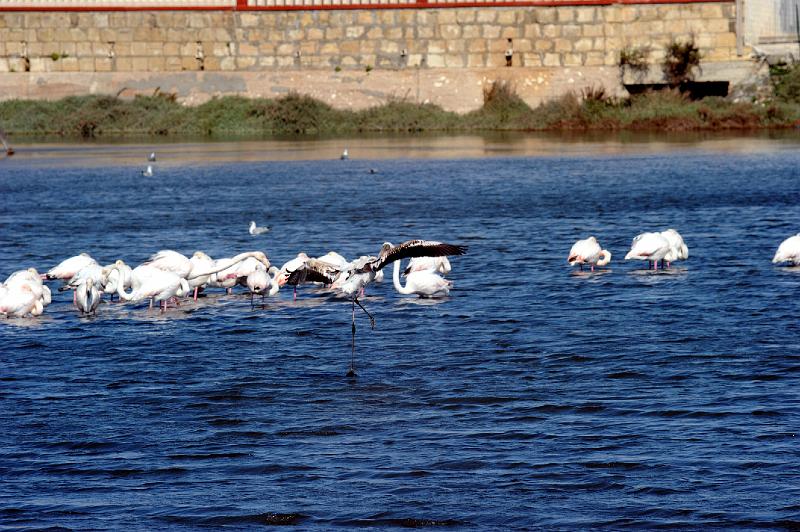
[[148, 172], [152, 157], [363, 271], [6, 145], [257, 230], [345, 155]]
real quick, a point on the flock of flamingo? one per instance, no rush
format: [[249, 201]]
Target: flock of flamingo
[[169, 275]]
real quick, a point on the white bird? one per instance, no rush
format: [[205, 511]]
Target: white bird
[[677, 247], [363, 270], [148, 172], [788, 251], [152, 157], [434, 264], [588, 251], [19, 301], [257, 230], [424, 283], [200, 262], [87, 296], [149, 282], [650, 247], [33, 280], [67, 268], [225, 273], [259, 282], [116, 274], [6, 145], [345, 155]]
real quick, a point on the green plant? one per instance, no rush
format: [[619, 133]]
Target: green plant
[[680, 61], [786, 82], [55, 56], [368, 68], [635, 58], [337, 69]]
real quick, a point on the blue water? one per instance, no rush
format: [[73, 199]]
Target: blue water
[[531, 397]]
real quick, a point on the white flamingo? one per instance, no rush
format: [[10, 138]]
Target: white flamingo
[[677, 247], [651, 247], [149, 282], [788, 251], [33, 280], [87, 297], [19, 301], [588, 251], [116, 274], [67, 268], [434, 264], [363, 270], [260, 283], [424, 283]]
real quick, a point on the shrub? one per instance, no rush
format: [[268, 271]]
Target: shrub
[[680, 62]]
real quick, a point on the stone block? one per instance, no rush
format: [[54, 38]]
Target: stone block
[[86, 64], [629, 13], [470, 31], [329, 48], [509, 33], [245, 63], [486, 16], [229, 63], [563, 45], [551, 60], [187, 63], [592, 30], [139, 64], [532, 31], [456, 46], [434, 60], [544, 45], [711, 11], [105, 64], [41, 64], [724, 40], [317, 34], [350, 47], [523, 45], [551, 31], [506, 16], [171, 49], [571, 31], [213, 64], [492, 31], [532, 60], [476, 60], [333, 33], [437, 47], [454, 61], [718, 25], [450, 31], [69, 64], [465, 16], [122, 64], [586, 15], [572, 60], [173, 64], [594, 59], [566, 15], [446, 16], [583, 45], [476, 46], [546, 15]]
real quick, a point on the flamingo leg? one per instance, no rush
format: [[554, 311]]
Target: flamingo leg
[[592, 267], [294, 298], [196, 288], [581, 265], [371, 318], [151, 302], [352, 371]]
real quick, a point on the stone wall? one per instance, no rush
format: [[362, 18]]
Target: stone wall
[[547, 42]]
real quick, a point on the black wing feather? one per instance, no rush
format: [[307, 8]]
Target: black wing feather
[[416, 248], [308, 275]]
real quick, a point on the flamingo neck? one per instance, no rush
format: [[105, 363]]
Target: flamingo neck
[[396, 279], [605, 257]]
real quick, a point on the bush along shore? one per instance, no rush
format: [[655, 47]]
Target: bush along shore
[[503, 110]]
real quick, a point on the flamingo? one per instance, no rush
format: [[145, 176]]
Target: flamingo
[[257, 230], [363, 270], [199, 262], [677, 247], [116, 276], [588, 251], [87, 297], [33, 280], [19, 301], [67, 268], [435, 264], [149, 282], [424, 283], [259, 282], [788, 251], [651, 247]]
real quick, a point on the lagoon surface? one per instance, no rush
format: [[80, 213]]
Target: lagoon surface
[[534, 396]]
